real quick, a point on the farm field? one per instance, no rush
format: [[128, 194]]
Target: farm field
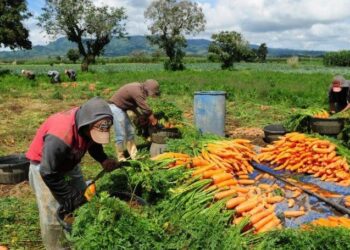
[[257, 95]]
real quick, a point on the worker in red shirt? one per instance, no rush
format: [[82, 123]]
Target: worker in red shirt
[[133, 97], [55, 153], [339, 95]]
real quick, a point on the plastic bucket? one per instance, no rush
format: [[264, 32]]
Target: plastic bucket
[[209, 111], [13, 169], [272, 132]]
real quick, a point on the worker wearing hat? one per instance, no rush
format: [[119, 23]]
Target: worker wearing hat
[[55, 154], [28, 73], [132, 97], [339, 95]]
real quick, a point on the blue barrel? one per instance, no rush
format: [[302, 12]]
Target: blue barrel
[[209, 111]]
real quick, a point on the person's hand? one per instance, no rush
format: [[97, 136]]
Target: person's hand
[[153, 120], [109, 165]]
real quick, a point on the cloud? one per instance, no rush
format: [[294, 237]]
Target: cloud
[[295, 24]]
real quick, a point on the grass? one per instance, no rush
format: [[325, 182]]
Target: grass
[[257, 94]]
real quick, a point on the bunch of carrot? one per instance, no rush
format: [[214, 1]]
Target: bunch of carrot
[[332, 221], [299, 153]]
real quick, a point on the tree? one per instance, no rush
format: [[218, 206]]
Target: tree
[[230, 47], [262, 52], [12, 32], [171, 20], [90, 27], [73, 55]]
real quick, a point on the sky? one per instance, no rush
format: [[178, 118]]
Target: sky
[[293, 24]]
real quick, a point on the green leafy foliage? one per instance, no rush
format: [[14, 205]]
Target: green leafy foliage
[[317, 238], [13, 34], [109, 223], [171, 20]]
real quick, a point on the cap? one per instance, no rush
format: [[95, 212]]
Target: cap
[[152, 87], [337, 83], [100, 131]]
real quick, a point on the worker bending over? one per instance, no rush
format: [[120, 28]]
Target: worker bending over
[[133, 97], [55, 153]]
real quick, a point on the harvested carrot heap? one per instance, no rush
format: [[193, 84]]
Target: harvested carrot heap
[[298, 153]]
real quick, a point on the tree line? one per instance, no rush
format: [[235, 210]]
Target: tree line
[[92, 28]]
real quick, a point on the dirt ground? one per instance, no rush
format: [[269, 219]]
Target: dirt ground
[[20, 190]]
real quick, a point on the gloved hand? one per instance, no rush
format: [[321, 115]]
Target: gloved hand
[[72, 201], [109, 165]]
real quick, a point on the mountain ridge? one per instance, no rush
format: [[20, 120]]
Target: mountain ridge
[[126, 46]]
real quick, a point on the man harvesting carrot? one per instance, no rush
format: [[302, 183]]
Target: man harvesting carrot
[[133, 97], [55, 153], [339, 95]]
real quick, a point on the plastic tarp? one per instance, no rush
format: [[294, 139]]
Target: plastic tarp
[[314, 208]]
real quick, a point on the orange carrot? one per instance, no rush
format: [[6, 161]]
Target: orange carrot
[[293, 213], [202, 169], [245, 182], [256, 209], [223, 194], [247, 205], [274, 199], [291, 202], [270, 225], [257, 217], [234, 202], [209, 173], [217, 178], [230, 182], [263, 222]]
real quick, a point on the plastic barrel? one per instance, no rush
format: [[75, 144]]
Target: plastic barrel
[[209, 111]]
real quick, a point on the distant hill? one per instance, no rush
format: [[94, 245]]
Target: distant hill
[[123, 47]]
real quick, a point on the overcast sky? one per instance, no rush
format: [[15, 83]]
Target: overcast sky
[[294, 24]]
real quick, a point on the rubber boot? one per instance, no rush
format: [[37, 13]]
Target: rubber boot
[[131, 147], [120, 152]]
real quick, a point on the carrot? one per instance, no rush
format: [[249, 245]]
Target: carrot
[[263, 222], [245, 182], [217, 178], [256, 209], [202, 169], [196, 162], [223, 194], [234, 202], [270, 225], [230, 182], [274, 199], [209, 173], [257, 217], [291, 203], [243, 176], [241, 189], [237, 220], [289, 214], [247, 205]]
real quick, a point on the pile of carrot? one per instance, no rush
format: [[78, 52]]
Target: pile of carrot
[[332, 221], [255, 205], [321, 114], [232, 156], [299, 153]]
